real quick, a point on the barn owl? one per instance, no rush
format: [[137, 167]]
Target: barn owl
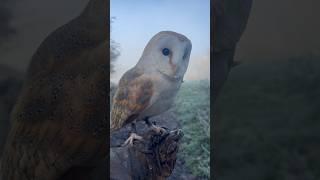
[[149, 88], [59, 122]]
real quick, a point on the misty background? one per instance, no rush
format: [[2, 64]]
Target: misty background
[[25, 24], [136, 22], [280, 29], [276, 29]]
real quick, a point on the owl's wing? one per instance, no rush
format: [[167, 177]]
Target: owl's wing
[[131, 98], [57, 124]]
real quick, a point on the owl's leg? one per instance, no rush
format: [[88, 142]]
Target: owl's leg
[[133, 136], [133, 127], [157, 129]]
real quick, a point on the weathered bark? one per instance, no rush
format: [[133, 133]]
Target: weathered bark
[[154, 158]]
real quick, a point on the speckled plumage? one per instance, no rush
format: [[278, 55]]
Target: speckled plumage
[[149, 88], [132, 96]]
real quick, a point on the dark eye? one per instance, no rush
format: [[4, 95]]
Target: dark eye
[[165, 51]]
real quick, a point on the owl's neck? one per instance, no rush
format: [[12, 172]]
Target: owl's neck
[[171, 78]]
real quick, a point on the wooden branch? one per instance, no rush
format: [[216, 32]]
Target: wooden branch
[[154, 158]]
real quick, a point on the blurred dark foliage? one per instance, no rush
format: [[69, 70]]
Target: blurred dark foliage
[[6, 30], [114, 50], [267, 121]]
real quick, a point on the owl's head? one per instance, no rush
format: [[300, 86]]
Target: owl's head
[[167, 52]]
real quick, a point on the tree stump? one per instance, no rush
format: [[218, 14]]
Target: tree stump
[[153, 158]]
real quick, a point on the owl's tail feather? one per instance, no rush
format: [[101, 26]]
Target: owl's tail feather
[[120, 117]]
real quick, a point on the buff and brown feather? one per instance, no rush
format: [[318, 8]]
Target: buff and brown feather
[[132, 97]]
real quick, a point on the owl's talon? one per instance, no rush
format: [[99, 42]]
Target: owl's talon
[[132, 137], [158, 130]]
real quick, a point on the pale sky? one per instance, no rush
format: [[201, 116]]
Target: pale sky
[[137, 21]]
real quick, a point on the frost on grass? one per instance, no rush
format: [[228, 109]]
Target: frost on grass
[[192, 108]]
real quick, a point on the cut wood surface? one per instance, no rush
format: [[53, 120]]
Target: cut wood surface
[[167, 120]]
